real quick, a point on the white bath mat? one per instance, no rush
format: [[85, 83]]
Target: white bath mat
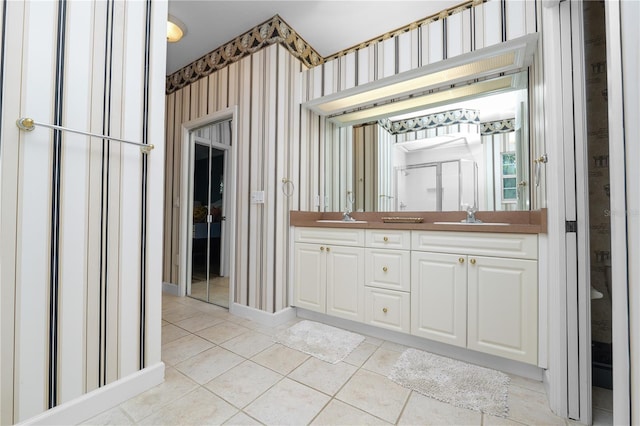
[[324, 342], [455, 382]]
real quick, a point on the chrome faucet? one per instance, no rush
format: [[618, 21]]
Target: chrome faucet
[[471, 215], [346, 216]]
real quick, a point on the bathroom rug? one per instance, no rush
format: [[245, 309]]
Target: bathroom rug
[[322, 341], [455, 382]]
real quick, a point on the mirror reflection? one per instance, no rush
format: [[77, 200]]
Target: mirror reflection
[[466, 153]]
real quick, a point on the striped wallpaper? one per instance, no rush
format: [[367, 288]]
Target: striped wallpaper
[[264, 87], [80, 263], [278, 138]]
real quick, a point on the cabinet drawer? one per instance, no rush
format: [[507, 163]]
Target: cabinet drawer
[[520, 246], [391, 239], [390, 269], [339, 237], [387, 308]]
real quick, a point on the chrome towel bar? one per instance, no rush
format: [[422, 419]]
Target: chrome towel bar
[[28, 124]]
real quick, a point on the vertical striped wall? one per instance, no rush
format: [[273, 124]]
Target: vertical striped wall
[[80, 259], [264, 87], [483, 25]]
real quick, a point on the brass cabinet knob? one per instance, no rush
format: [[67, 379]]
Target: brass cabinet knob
[[385, 269], [386, 239], [384, 310], [321, 248], [472, 261], [328, 249], [461, 260]]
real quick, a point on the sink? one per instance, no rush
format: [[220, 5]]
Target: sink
[[472, 223], [340, 221]]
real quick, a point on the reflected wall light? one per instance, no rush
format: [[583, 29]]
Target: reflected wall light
[[175, 29], [385, 95]]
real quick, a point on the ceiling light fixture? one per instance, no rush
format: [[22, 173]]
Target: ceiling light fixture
[[420, 102], [175, 29]]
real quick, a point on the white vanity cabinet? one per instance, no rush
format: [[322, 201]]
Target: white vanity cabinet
[[477, 290], [329, 271], [388, 279]]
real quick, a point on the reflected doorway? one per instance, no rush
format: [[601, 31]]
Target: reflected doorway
[[208, 279]]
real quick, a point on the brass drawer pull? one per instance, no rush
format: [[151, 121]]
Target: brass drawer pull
[[385, 269], [386, 239], [472, 261], [461, 260], [328, 249], [384, 310], [321, 248]]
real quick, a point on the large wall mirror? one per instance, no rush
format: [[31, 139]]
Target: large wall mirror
[[464, 143], [470, 152]]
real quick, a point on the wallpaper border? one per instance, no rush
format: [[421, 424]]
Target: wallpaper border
[[276, 30]]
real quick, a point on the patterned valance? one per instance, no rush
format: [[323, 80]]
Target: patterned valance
[[438, 119], [500, 126]]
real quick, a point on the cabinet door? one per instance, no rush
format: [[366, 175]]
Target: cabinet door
[[345, 282], [439, 297], [309, 291], [503, 307]]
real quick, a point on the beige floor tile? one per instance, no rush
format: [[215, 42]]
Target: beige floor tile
[[199, 322], [175, 386], [287, 403], [280, 358], [323, 376], [248, 344], [339, 413], [373, 340], [171, 332], [530, 384], [530, 407], [115, 416], [394, 346], [602, 398], [222, 332], [488, 420], [243, 383], [374, 394], [602, 417], [199, 407], [179, 312], [421, 410], [209, 364], [361, 354], [382, 361], [241, 419], [184, 348]]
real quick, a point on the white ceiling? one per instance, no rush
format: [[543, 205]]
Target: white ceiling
[[329, 26]]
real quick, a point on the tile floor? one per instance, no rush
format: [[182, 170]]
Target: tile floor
[[223, 369]]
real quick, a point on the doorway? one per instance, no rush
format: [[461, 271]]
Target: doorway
[[209, 243]]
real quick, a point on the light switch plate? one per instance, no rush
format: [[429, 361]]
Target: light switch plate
[[257, 197]]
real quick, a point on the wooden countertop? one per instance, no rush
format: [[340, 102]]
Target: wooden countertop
[[519, 222]]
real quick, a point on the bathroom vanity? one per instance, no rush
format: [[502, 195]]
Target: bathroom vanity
[[470, 286]]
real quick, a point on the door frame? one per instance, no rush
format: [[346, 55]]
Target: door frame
[[185, 176]]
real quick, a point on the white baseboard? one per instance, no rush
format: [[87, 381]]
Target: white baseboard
[[171, 288], [265, 318], [462, 354], [101, 399]]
